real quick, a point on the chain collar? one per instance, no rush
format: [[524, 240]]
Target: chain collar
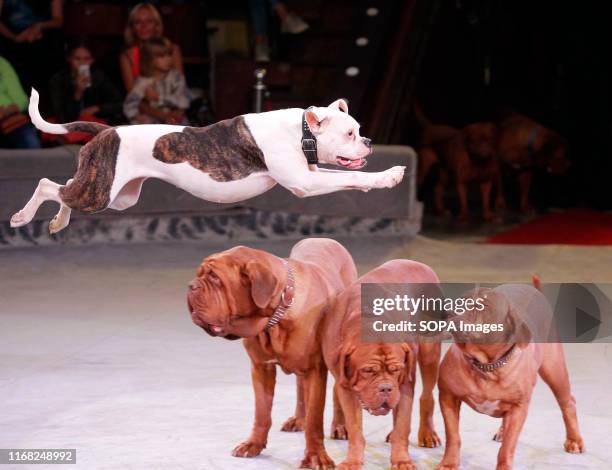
[[286, 300], [491, 366], [309, 141]]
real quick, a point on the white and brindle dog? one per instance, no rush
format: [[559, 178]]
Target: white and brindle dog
[[225, 162]]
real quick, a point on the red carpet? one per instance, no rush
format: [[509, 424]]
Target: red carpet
[[573, 227]]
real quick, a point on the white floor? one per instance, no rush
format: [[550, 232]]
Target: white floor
[[98, 353]]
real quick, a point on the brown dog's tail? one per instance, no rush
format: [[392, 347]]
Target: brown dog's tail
[[537, 283], [50, 128]]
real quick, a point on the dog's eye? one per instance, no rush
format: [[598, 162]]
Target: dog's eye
[[367, 370], [212, 277], [350, 133], [393, 368]]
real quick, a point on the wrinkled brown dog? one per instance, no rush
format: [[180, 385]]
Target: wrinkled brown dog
[[524, 145], [464, 156], [379, 377], [239, 293], [495, 373]]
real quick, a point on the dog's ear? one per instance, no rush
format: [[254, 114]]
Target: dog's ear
[[409, 362], [341, 104], [344, 378], [519, 331], [316, 118], [265, 285]]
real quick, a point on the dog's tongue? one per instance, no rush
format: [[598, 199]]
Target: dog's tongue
[[351, 164]]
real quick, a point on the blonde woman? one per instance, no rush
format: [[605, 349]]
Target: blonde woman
[[144, 23]]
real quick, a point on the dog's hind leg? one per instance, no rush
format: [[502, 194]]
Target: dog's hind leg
[[62, 218], [46, 190], [554, 372]]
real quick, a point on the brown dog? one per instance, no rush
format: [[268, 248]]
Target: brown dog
[[276, 305], [524, 145], [496, 375], [379, 377], [464, 156]]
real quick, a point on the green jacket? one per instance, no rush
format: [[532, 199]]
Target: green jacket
[[11, 91]]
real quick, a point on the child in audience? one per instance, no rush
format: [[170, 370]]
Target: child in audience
[[144, 23], [160, 93], [80, 92]]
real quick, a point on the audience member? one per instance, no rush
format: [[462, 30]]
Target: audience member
[[82, 92], [23, 26], [290, 23], [159, 94], [144, 23], [15, 128]]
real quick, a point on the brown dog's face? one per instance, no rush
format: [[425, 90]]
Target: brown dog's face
[[487, 347], [231, 293], [481, 140], [376, 372]]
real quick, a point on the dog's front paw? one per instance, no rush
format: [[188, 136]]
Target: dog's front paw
[[317, 460], [392, 177], [293, 424], [339, 432], [574, 446], [403, 465], [429, 438], [447, 466], [350, 465], [248, 449]]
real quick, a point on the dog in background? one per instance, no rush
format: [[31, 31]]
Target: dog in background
[[461, 157], [379, 377], [525, 146], [495, 373]]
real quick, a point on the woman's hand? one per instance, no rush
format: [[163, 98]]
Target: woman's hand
[[81, 82], [30, 34], [151, 94], [91, 110]]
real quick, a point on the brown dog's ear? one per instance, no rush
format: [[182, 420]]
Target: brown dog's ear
[[264, 283], [518, 329], [344, 362], [408, 364]]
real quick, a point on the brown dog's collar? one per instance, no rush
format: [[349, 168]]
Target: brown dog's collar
[[286, 300], [491, 366]]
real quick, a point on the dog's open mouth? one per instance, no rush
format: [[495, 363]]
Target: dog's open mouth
[[355, 164], [382, 410]]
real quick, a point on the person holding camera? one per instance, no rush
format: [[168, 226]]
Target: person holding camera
[[80, 92]]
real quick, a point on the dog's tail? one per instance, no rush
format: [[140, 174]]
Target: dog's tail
[[537, 283], [50, 128]]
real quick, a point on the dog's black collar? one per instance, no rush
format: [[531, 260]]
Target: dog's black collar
[[491, 366], [309, 142]]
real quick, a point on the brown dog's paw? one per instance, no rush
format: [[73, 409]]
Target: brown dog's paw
[[339, 432], [248, 449], [293, 424], [350, 465], [463, 218], [492, 218], [428, 437], [447, 466], [403, 465], [574, 446], [317, 460]]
